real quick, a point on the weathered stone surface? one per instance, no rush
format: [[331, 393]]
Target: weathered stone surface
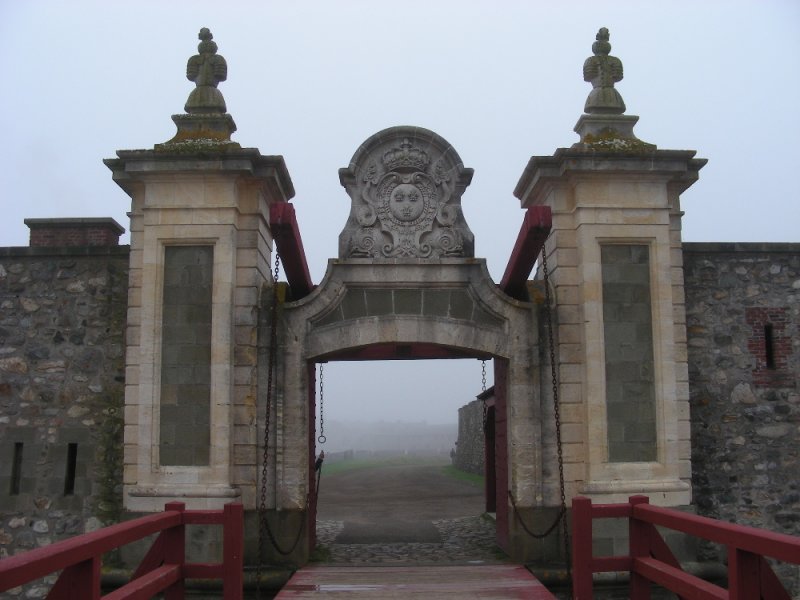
[[61, 347], [405, 184], [469, 455], [603, 71], [206, 70], [745, 436]]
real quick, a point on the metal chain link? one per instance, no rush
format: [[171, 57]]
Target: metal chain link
[[264, 528], [321, 439], [556, 414], [483, 394], [562, 513], [271, 366]]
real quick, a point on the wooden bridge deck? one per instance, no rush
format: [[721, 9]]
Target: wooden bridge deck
[[501, 581]]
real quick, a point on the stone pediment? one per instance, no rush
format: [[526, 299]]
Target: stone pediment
[[405, 186]]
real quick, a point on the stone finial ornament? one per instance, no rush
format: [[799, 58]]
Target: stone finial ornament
[[206, 126], [206, 70], [603, 71]]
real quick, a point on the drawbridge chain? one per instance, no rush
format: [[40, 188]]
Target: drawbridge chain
[[483, 394], [562, 513], [264, 527], [321, 438]]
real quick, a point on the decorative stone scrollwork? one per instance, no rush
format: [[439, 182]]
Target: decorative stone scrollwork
[[404, 204]]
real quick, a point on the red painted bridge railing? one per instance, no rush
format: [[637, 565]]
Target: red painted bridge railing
[[163, 569], [651, 561]]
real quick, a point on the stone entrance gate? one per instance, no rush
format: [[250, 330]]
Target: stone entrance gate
[[405, 284]]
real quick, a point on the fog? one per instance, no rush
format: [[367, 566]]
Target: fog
[[422, 392]]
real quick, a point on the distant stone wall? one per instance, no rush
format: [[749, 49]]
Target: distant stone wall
[[743, 319], [469, 448], [62, 324]]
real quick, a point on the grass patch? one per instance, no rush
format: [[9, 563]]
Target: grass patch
[[452, 471], [339, 466]]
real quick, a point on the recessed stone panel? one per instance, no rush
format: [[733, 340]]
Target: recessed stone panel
[[185, 434], [630, 374]]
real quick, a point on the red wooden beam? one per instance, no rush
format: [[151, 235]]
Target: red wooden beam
[[676, 580], [148, 585], [767, 543], [534, 231], [34, 564], [401, 351], [163, 569], [582, 548], [285, 231], [233, 552]]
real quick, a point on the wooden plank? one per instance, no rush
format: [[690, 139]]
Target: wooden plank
[[583, 565], [148, 585], [429, 582], [286, 232], [532, 234], [682, 583], [233, 552]]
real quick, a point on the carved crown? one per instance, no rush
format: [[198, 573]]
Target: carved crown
[[405, 158]]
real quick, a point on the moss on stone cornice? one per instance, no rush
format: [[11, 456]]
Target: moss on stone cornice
[[197, 146], [609, 140]]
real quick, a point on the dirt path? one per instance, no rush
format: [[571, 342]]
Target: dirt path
[[395, 503]]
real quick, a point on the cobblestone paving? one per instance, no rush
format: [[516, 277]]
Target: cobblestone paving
[[466, 540]]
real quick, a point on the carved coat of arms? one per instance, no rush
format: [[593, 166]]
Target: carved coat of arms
[[405, 196]]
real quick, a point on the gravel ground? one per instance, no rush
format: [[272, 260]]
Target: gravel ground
[[403, 514]]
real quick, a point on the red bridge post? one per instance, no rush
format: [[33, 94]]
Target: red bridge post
[[582, 548], [175, 551], [233, 551], [638, 547]]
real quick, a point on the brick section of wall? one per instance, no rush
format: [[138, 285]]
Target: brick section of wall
[[62, 318], [50, 233], [186, 356], [628, 329], [769, 345], [745, 428]]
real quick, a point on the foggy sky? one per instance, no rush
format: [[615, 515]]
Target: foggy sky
[[501, 81]]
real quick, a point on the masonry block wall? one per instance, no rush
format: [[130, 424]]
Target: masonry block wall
[[743, 316], [62, 318], [469, 449], [628, 335], [185, 424]]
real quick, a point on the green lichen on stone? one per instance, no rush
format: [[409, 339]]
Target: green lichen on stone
[[197, 146], [609, 140]]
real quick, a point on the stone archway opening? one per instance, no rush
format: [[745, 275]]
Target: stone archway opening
[[406, 285], [399, 498]]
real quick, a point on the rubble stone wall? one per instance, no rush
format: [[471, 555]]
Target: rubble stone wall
[[743, 320], [62, 324]]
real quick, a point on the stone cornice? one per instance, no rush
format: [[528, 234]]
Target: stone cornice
[[543, 173], [135, 165], [63, 251]]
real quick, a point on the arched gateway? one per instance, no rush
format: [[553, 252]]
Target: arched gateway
[[206, 216], [406, 286]]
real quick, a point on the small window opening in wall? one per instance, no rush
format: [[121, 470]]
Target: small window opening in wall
[[16, 469], [769, 346], [69, 479]]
